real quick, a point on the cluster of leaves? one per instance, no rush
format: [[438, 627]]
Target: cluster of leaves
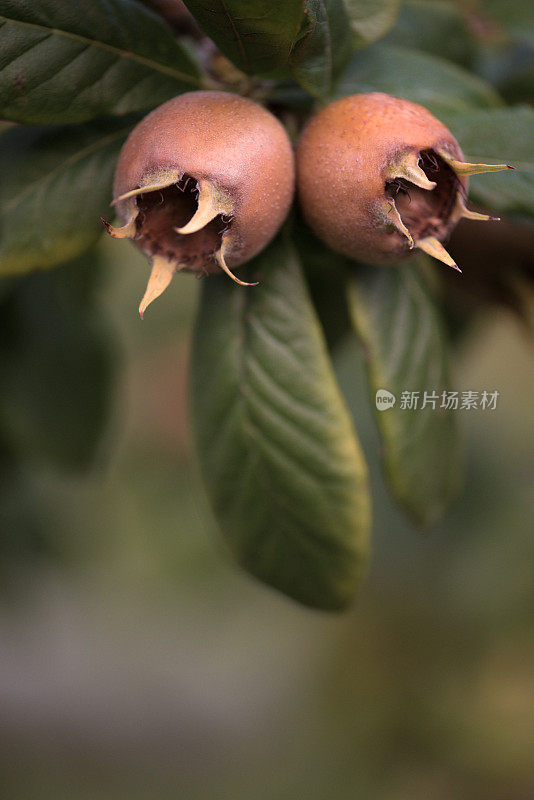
[[279, 452]]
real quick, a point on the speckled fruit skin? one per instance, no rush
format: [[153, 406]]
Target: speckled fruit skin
[[342, 161], [230, 140]]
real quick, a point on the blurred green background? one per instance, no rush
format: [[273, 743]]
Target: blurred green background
[[137, 661]]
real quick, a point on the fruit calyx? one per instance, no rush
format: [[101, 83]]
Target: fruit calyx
[[182, 223], [426, 196]]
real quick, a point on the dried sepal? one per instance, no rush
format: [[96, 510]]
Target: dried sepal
[[408, 167], [434, 248], [461, 211], [161, 275], [126, 231], [219, 255], [151, 183], [212, 202], [395, 219], [464, 169]]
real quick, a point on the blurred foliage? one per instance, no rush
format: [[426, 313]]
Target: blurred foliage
[[56, 184], [57, 362], [435, 28]]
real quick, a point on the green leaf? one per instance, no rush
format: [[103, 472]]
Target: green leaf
[[56, 365], [61, 63], [510, 69], [439, 85], [56, 183], [503, 136], [437, 27], [513, 14], [256, 35], [371, 19], [326, 276], [283, 467], [324, 47], [405, 351]]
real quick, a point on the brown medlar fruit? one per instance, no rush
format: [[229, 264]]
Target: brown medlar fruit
[[202, 183], [378, 176]]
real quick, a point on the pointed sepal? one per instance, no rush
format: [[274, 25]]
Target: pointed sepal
[[160, 277], [221, 261], [407, 167], [395, 219], [212, 202], [464, 169], [434, 248], [461, 211], [153, 183], [127, 231]]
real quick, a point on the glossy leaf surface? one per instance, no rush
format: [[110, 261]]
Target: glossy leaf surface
[[63, 62], [256, 35], [283, 468]]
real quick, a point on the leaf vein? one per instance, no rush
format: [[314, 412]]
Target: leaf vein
[[120, 53]]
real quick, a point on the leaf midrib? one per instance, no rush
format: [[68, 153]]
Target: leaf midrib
[[256, 455], [147, 62], [239, 41]]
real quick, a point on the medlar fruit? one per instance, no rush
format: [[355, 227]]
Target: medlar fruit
[[378, 176], [202, 183]]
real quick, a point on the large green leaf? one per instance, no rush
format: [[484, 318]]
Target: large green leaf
[[69, 62], [56, 182], [57, 365], [371, 19], [437, 28], [405, 350], [442, 87], [324, 47], [256, 35], [283, 467], [500, 135]]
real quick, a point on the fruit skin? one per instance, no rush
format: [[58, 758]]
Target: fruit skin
[[343, 159], [230, 141]]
